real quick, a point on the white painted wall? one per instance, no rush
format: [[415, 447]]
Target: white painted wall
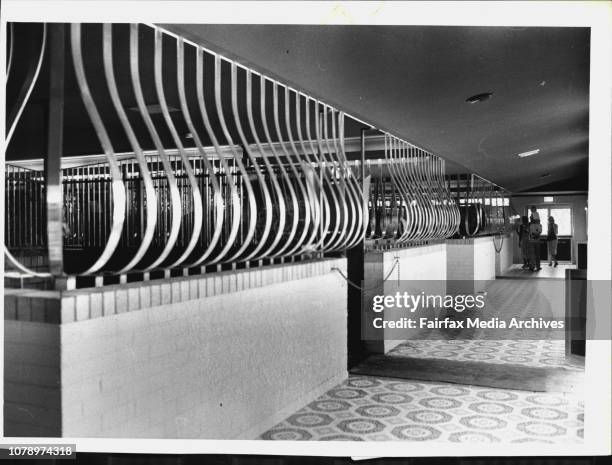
[[225, 366]]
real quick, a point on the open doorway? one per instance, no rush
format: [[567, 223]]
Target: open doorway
[[563, 216]]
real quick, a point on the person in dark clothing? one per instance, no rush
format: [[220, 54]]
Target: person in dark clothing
[[523, 234], [551, 241], [535, 231]]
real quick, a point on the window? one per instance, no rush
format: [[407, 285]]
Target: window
[[562, 216]]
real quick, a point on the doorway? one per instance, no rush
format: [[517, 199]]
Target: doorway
[[563, 218]]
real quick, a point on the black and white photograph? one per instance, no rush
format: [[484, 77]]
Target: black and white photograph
[[322, 228]]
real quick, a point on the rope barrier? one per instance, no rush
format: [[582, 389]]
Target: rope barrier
[[351, 283], [498, 250]]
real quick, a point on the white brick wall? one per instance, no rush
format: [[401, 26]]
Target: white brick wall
[[504, 259], [460, 259], [423, 263], [426, 264], [484, 259], [31, 379], [471, 263], [219, 366]]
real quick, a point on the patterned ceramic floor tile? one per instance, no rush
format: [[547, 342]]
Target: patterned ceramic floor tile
[[531, 353], [384, 409]]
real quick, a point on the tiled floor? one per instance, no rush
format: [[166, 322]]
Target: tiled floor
[[379, 409], [533, 353], [384, 409], [558, 272]]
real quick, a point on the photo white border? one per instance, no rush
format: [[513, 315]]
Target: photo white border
[[596, 15]]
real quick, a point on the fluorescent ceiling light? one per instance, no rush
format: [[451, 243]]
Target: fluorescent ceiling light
[[527, 154]]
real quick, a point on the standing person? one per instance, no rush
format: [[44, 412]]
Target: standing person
[[523, 234], [535, 231], [551, 241], [535, 216]]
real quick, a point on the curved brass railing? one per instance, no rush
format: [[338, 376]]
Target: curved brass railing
[[412, 202], [484, 206], [262, 175], [275, 185]]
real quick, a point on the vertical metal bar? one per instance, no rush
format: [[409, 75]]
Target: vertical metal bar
[[105, 203], [39, 210], [28, 208], [125, 171], [188, 181], [89, 202], [147, 232], [20, 206], [311, 179], [68, 211], [280, 200], [8, 199], [263, 189], [171, 180], [365, 187], [35, 209], [55, 138], [28, 83], [80, 205], [304, 212]]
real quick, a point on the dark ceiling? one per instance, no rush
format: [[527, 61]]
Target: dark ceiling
[[410, 81], [413, 82]]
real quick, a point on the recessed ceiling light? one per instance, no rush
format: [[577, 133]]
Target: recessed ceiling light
[[479, 97], [528, 154]]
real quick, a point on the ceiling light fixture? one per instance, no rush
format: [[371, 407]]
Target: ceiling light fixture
[[479, 97], [545, 175], [528, 154]]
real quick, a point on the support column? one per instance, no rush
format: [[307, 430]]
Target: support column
[[55, 140]]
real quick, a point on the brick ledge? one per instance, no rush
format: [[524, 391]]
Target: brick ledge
[[61, 307]]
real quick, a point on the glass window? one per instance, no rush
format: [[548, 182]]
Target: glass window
[[563, 218]]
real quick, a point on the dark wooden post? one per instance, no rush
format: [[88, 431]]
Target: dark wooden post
[[356, 274], [55, 138]]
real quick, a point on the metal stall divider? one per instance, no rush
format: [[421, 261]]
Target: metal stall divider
[[287, 191]]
